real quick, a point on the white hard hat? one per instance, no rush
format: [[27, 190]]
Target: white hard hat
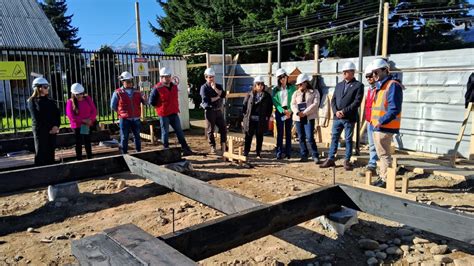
[[302, 78], [280, 72], [209, 72], [125, 76], [348, 66], [368, 69], [164, 71], [77, 88], [40, 81], [380, 63], [258, 79]]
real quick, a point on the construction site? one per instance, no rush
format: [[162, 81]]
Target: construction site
[[161, 206]]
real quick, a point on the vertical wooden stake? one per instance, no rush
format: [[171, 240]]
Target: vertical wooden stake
[[319, 134], [368, 178], [391, 178], [230, 147], [405, 180], [152, 134], [240, 154], [394, 163], [460, 135], [471, 145]]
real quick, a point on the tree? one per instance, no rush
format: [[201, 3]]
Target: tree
[[195, 40], [56, 10]]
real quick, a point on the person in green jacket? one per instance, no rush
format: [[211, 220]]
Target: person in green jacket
[[282, 95]]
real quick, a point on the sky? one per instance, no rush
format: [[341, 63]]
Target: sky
[[105, 21]]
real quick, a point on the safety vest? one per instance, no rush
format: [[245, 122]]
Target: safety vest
[[168, 100], [380, 106], [128, 107]]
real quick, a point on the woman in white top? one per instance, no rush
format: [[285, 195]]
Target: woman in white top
[[305, 105]]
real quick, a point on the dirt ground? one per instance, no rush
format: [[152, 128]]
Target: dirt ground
[[103, 205]]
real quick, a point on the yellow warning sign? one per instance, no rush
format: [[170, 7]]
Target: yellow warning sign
[[12, 70]]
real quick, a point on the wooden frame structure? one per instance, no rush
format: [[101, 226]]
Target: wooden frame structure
[[248, 220]]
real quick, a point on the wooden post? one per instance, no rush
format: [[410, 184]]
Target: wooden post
[[385, 30], [461, 134], [405, 180], [471, 145], [316, 59], [368, 178], [269, 68], [394, 162], [230, 147], [152, 134], [240, 154], [391, 178]]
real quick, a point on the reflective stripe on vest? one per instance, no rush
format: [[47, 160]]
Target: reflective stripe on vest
[[380, 106]]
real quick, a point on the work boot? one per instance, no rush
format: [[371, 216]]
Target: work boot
[[223, 148], [347, 165], [188, 152], [380, 182], [303, 159], [213, 150], [328, 163]]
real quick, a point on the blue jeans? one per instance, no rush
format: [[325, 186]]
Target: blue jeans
[[125, 126], [337, 127], [173, 121], [286, 126], [372, 152], [306, 133]]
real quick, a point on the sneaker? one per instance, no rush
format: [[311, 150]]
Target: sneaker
[[259, 157], [303, 159], [380, 182], [213, 150], [316, 160], [188, 152], [279, 157], [372, 168]]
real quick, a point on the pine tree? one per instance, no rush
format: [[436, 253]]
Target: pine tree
[[56, 10]]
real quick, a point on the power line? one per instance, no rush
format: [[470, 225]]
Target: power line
[[129, 28]]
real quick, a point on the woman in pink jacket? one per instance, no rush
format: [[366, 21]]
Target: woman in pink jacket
[[81, 111]]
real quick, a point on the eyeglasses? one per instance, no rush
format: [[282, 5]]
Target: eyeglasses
[[210, 77], [79, 94], [45, 87], [369, 76], [259, 83], [282, 77]]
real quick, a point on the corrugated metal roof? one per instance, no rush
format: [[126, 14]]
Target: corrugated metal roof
[[24, 24]]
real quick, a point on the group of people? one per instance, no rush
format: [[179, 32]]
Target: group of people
[[293, 104], [299, 106], [82, 114]]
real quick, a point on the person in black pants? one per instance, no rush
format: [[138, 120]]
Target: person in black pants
[[45, 120], [258, 107], [212, 96]]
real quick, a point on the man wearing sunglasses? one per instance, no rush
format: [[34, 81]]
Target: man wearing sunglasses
[[386, 114], [372, 165], [345, 105]]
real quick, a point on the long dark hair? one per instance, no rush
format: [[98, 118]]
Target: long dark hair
[[75, 103], [279, 82]]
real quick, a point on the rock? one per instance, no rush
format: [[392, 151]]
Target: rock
[[414, 259], [46, 240], [163, 221], [381, 255], [185, 205], [295, 188], [405, 248], [101, 187], [442, 258], [372, 261], [430, 263], [394, 251], [369, 253], [383, 246], [259, 259], [418, 240], [438, 249], [61, 237], [368, 244], [404, 232], [397, 241], [465, 261], [121, 184], [66, 190], [30, 230], [111, 179], [18, 257], [408, 239]]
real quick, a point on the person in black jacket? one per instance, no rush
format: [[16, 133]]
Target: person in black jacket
[[469, 96], [258, 107], [345, 105], [213, 97], [45, 120]]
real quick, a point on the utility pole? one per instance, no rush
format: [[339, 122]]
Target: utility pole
[[223, 64], [385, 31], [279, 49], [139, 48], [361, 66], [337, 8], [379, 26]]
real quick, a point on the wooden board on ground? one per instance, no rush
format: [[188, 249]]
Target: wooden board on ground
[[433, 219], [79, 170], [213, 237], [215, 197], [384, 191], [62, 140]]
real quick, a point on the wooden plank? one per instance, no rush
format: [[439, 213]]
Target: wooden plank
[[460, 135], [146, 248], [101, 251], [62, 140], [58, 173], [213, 237], [235, 95], [235, 156], [405, 180], [434, 219], [368, 178], [391, 179], [384, 191], [215, 197]]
